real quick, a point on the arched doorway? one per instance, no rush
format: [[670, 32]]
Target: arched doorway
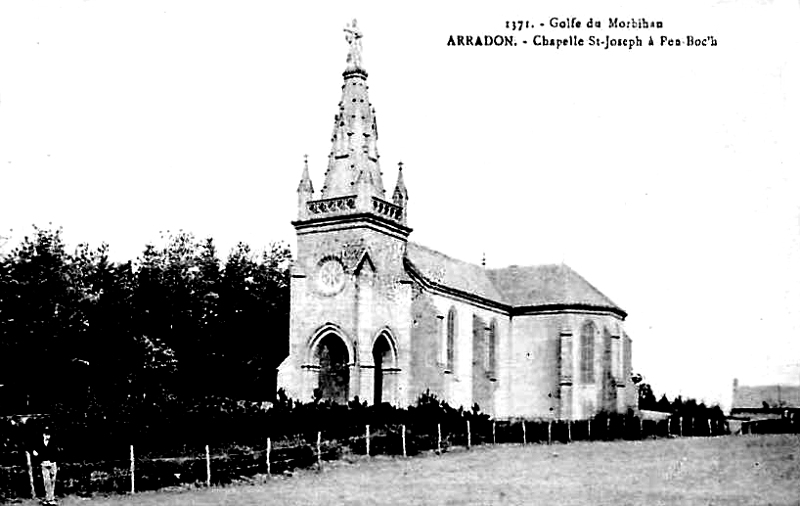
[[383, 358], [334, 370]]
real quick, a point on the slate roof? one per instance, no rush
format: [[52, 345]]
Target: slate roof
[[774, 395], [443, 270], [538, 285]]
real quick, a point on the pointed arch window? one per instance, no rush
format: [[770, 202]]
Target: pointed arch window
[[450, 345], [491, 349], [607, 352], [587, 353]]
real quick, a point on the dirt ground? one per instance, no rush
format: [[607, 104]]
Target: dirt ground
[[730, 470]]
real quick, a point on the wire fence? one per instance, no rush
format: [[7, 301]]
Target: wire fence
[[127, 468]]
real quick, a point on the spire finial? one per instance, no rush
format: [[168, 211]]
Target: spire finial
[[353, 36]]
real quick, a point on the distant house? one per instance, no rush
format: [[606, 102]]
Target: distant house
[[764, 403], [764, 398]]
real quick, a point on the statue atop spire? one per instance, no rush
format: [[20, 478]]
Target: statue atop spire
[[353, 36]]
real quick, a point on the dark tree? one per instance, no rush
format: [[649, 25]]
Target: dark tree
[[664, 405], [82, 333]]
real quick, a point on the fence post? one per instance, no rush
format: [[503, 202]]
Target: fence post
[[469, 437], [208, 467], [669, 432], [319, 450], [524, 435], [641, 430], [133, 480], [30, 474], [439, 438], [404, 440], [367, 440], [709, 428], [680, 426], [550, 432], [269, 450], [494, 433], [589, 429], [569, 431]]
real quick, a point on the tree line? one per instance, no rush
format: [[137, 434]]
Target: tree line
[[679, 406], [81, 332]]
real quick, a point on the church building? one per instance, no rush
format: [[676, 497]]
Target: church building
[[377, 317]]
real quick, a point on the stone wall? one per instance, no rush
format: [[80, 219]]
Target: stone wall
[[374, 299]]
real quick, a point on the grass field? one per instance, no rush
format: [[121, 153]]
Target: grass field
[[731, 470]]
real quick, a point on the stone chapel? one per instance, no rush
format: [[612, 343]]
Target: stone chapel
[[377, 317]]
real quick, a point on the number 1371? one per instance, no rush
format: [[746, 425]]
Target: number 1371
[[517, 25]]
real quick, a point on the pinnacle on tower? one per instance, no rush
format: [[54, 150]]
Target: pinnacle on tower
[[305, 191], [305, 186], [400, 194]]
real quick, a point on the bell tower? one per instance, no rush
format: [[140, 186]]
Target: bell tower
[[350, 297]]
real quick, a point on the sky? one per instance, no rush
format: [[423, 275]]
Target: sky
[[666, 176]]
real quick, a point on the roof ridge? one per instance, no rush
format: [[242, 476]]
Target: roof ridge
[[528, 266], [444, 254]]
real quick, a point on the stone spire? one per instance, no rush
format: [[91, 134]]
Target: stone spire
[[355, 133], [305, 191], [400, 194], [305, 186]]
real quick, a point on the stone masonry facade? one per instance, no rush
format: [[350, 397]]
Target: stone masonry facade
[[378, 318]]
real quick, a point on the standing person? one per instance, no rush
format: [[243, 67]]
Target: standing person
[[45, 452]]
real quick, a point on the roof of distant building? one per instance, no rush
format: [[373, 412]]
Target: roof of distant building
[[773, 395]]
